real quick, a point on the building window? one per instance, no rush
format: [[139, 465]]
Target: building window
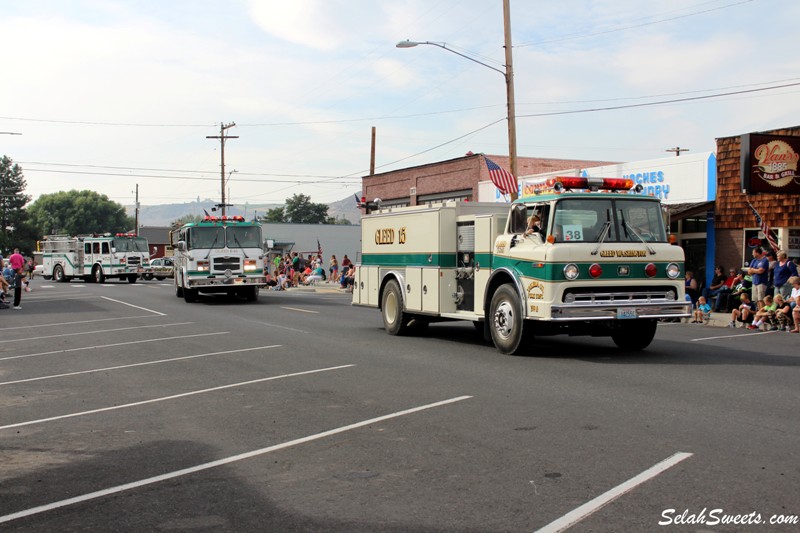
[[428, 199], [694, 225]]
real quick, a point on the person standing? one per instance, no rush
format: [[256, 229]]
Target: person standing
[[784, 270], [759, 270], [17, 263]]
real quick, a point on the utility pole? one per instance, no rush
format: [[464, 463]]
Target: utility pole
[[136, 228], [677, 150], [222, 137], [512, 112], [372, 154]]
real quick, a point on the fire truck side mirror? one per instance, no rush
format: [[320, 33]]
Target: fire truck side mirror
[[181, 246]]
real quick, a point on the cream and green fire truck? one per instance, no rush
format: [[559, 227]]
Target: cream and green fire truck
[[598, 263], [218, 255]]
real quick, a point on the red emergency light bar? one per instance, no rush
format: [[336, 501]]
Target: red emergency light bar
[[237, 218], [594, 184], [126, 235]]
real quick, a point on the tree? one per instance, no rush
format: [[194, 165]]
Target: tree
[[299, 209], [275, 215], [79, 213], [187, 219], [16, 230]]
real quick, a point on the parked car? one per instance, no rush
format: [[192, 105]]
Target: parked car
[[162, 268]]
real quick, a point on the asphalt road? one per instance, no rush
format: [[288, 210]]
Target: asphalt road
[[123, 408]]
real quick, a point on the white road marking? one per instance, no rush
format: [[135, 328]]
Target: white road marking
[[173, 397], [45, 286], [588, 508], [733, 336], [76, 322], [301, 310], [220, 462], [5, 341], [132, 365], [112, 345], [135, 306]]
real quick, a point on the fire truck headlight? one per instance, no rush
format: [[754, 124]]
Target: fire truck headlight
[[673, 271], [571, 271], [249, 265], [202, 266]]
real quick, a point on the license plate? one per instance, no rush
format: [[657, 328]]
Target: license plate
[[626, 313]]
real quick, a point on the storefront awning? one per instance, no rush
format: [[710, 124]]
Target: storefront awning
[[681, 211]]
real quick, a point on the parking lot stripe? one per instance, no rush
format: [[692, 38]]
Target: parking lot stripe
[[135, 306], [113, 345], [26, 339], [221, 462], [588, 508], [76, 322], [172, 397], [733, 336], [301, 310], [131, 365]]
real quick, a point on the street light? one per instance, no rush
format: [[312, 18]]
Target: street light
[[509, 77]]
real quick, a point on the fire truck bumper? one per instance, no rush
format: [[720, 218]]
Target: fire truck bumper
[[620, 311], [224, 282]]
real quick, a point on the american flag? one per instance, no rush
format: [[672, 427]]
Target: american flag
[[764, 228], [502, 178]]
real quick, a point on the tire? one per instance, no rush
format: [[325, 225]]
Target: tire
[[160, 278], [58, 274], [251, 294], [190, 295], [97, 275], [147, 277], [506, 324], [634, 335], [395, 321], [132, 278]]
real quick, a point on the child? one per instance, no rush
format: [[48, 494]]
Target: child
[[703, 309], [766, 313]]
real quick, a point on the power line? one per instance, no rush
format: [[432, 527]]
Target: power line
[[185, 178]]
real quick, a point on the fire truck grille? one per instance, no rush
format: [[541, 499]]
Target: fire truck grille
[[222, 264], [135, 260], [587, 295]]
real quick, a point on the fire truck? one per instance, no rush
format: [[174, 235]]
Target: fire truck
[[580, 256], [95, 258], [218, 255]]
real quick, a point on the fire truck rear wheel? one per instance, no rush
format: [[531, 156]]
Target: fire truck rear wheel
[[58, 274], [132, 278], [395, 321], [178, 290], [506, 323], [251, 294], [634, 335], [190, 295]]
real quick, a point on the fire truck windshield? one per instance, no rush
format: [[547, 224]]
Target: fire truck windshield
[[244, 236], [585, 220], [130, 244], [206, 237]]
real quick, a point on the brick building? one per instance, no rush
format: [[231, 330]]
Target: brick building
[[453, 179], [734, 229]]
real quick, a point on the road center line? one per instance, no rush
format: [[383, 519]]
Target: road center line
[[173, 397], [96, 331], [131, 305], [301, 310], [131, 365], [588, 508], [220, 462], [112, 345]]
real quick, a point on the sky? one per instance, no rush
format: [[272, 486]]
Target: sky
[[111, 94]]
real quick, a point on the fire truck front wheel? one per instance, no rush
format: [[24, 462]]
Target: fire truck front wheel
[[508, 328], [395, 321], [634, 335], [98, 276]]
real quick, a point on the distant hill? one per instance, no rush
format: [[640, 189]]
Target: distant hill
[[165, 214]]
